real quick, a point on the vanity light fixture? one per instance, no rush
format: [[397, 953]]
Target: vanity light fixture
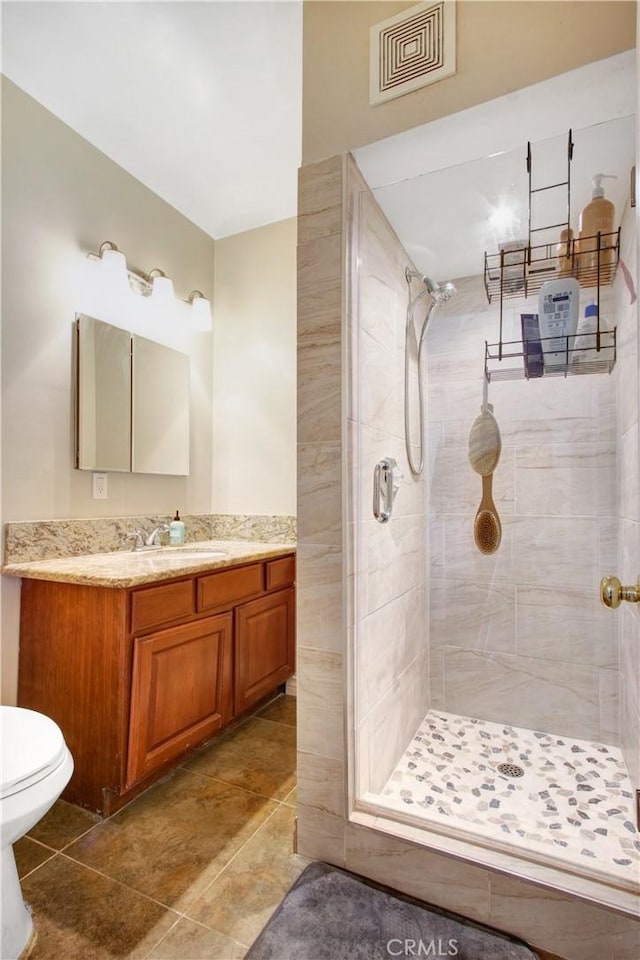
[[156, 284], [200, 310]]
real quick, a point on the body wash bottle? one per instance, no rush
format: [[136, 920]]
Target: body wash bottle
[[176, 530], [558, 316]]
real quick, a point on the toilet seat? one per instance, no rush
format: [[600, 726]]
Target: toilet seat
[[32, 747]]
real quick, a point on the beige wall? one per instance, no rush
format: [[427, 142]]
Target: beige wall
[[501, 47], [254, 372], [60, 198]]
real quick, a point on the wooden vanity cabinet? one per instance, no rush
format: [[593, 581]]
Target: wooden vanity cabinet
[[138, 677]]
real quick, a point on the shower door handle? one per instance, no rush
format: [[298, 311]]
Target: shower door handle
[[386, 482], [612, 593]]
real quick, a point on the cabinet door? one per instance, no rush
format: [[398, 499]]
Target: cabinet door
[[264, 646], [181, 691]]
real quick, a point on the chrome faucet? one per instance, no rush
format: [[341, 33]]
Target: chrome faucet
[[151, 541]]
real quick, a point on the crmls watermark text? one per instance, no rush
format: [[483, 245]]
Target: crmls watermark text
[[422, 948]]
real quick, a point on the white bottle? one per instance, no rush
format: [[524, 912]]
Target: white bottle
[[176, 530], [586, 355], [558, 307]]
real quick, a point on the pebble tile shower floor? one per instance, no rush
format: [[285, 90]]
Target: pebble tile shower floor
[[574, 800]]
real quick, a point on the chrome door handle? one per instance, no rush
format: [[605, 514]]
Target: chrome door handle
[[612, 593], [386, 483]]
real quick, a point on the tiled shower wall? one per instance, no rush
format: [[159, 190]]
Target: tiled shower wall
[[564, 924], [627, 567], [520, 636], [391, 614]]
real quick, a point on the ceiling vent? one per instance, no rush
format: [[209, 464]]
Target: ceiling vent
[[412, 49]]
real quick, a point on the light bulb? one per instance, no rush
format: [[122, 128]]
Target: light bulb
[[162, 291], [200, 313]]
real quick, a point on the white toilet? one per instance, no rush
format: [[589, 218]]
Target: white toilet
[[35, 768]]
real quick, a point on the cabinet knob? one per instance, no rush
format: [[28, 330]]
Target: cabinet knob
[[612, 593]]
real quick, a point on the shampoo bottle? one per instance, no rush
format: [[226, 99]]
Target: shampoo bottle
[[597, 217], [176, 530], [586, 355]]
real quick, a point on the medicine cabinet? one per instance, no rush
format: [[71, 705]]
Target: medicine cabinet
[[132, 402]]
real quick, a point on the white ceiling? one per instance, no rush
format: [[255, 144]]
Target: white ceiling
[[201, 101], [440, 184]]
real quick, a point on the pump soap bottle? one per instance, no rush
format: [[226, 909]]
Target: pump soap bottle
[[176, 530], [597, 217]]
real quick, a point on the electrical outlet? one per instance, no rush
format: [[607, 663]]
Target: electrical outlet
[[99, 486]]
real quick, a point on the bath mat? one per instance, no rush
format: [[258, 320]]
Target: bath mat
[[329, 914]]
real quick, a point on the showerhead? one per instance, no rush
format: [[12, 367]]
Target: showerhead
[[441, 292]]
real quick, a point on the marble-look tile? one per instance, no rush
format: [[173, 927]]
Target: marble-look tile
[[394, 718], [457, 488], [578, 629], [197, 942], [175, 838], [394, 557], [319, 286], [79, 913], [608, 547], [258, 878], [436, 531], [561, 923], [319, 493], [319, 395], [320, 835], [570, 480], [478, 616], [257, 755], [462, 559], [381, 310], [630, 736], [321, 783], [628, 467], [281, 710], [609, 706], [455, 400], [419, 872], [320, 199], [542, 694], [629, 654], [30, 854], [629, 545], [320, 703], [556, 550], [436, 677], [388, 641], [319, 597], [381, 387], [62, 824]]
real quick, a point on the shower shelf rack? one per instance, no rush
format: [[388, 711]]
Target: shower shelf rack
[[521, 272], [524, 274]]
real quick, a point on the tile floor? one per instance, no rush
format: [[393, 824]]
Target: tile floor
[[573, 801], [193, 868]]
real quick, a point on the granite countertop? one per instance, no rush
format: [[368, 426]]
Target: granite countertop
[[131, 568]]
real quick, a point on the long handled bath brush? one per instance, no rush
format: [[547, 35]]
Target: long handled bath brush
[[485, 446]]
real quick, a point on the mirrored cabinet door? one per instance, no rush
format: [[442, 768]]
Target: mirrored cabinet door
[[160, 409], [103, 396]]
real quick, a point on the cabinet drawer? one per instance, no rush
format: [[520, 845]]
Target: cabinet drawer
[[161, 604], [281, 573], [229, 586]]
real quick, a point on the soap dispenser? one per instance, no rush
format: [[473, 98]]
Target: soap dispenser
[[597, 217], [176, 530]]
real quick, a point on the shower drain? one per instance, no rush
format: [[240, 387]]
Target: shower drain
[[511, 769]]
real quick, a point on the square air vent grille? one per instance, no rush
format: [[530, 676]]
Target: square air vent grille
[[412, 49]]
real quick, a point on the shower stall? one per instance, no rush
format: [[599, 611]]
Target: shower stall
[[492, 689], [468, 722]]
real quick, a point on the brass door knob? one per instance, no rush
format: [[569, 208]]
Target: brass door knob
[[612, 593]]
